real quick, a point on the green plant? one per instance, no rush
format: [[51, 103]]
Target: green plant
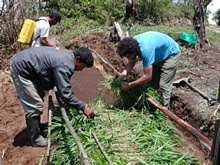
[[217, 17], [135, 98], [127, 137]]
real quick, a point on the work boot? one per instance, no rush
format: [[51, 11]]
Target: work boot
[[43, 127], [33, 125], [38, 140]]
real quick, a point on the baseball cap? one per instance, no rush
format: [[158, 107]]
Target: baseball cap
[[57, 15]]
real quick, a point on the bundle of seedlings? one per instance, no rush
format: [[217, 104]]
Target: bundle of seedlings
[[134, 98]]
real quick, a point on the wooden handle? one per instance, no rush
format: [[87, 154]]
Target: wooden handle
[[204, 140], [107, 63], [83, 155], [102, 149]]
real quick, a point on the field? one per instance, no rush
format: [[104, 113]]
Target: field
[[201, 67]]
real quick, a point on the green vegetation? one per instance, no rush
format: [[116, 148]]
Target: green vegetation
[[217, 17], [135, 98], [128, 136], [157, 11], [128, 132], [70, 28]]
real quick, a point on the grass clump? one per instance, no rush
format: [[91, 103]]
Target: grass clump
[[134, 98]]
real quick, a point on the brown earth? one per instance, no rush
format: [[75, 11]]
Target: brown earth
[[202, 67]]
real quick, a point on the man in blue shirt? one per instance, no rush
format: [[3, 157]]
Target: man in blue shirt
[[160, 56]]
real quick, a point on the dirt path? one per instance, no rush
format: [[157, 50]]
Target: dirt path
[[14, 139], [213, 28]]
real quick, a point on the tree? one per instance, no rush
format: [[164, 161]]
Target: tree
[[200, 7], [216, 18]]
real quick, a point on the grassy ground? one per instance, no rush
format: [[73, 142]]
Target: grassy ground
[[129, 137], [71, 28]]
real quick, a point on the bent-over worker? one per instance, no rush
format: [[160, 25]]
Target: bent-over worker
[[36, 70], [160, 56]]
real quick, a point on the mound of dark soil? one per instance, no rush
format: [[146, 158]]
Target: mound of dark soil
[[203, 70]]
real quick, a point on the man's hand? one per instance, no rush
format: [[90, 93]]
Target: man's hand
[[88, 112], [125, 86], [122, 75]]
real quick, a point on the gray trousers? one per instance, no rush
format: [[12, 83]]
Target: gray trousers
[[30, 96], [163, 77]]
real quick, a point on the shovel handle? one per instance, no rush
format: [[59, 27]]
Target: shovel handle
[[107, 63]]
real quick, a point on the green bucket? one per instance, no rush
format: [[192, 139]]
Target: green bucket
[[190, 38]]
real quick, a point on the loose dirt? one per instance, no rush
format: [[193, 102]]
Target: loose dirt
[[202, 67]]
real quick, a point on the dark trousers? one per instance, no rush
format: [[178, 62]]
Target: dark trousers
[[128, 13]]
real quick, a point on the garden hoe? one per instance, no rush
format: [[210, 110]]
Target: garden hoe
[[186, 81]]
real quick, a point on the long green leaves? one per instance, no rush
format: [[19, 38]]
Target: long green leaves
[[127, 137], [134, 98]]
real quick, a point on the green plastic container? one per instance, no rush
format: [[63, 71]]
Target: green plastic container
[[190, 38]]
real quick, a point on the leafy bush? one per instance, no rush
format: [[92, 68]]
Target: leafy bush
[[99, 10], [217, 17], [108, 11], [11, 21]]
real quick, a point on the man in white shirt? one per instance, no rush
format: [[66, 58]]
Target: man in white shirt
[[42, 29]]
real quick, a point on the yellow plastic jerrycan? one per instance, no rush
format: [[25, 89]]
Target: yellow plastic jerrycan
[[27, 31]]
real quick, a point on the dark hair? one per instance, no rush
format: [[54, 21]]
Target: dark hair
[[85, 55], [128, 45], [56, 15]]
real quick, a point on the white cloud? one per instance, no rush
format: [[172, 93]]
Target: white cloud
[[1, 5]]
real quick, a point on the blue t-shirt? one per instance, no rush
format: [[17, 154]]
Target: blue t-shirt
[[156, 47]]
